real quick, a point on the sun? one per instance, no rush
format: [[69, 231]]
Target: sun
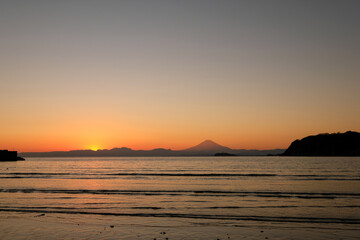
[[94, 147]]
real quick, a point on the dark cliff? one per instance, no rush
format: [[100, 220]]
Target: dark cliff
[[335, 144], [6, 155]]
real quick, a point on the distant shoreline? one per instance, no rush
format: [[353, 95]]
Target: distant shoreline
[[335, 144], [205, 148]]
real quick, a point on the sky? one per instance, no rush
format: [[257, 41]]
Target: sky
[[148, 74]]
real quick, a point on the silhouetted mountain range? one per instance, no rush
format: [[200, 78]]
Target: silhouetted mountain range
[[335, 144], [206, 148]]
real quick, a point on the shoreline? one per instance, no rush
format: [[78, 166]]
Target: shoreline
[[41, 226]]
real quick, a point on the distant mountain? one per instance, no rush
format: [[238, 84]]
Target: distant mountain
[[335, 144], [210, 148], [206, 148]]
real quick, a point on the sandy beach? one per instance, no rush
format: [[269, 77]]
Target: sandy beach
[[17, 226]]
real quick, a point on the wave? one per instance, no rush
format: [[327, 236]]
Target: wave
[[302, 177], [266, 194], [197, 216], [164, 208], [285, 206], [149, 174]]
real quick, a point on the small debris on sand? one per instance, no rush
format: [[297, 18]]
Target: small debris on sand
[[41, 215]]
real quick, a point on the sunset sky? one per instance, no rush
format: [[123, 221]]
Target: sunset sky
[[148, 74]]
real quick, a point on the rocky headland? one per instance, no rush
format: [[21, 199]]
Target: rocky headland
[[335, 144]]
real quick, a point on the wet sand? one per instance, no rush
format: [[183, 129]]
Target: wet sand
[[17, 226]]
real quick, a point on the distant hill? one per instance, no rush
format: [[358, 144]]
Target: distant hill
[[210, 148], [335, 144], [206, 148], [115, 152]]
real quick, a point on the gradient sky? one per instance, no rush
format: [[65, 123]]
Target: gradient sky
[[146, 74]]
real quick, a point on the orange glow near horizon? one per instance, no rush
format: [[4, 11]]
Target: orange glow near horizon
[[259, 141], [94, 147]]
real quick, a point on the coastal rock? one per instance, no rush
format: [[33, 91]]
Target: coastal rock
[[335, 144], [6, 155]]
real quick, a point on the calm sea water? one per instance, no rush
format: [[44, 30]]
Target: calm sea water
[[302, 191]]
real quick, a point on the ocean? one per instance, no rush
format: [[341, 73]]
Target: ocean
[[181, 198]]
